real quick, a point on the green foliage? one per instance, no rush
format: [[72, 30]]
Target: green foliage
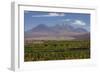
[[57, 50]]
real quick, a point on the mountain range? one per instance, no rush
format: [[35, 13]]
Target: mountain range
[[56, 32]]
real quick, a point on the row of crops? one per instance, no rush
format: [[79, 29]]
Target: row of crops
[[56, 50]]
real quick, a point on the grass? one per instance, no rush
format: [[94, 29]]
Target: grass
[[56, 50]]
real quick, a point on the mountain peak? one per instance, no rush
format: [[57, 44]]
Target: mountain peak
[[80, 30], [41, 28]]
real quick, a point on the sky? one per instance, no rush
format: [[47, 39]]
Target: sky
[[34, 18]]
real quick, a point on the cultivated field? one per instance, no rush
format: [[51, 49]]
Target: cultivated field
[[41, 50]]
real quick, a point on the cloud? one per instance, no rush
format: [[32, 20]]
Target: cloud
[[56, 14], [79, 22], [74, 22], [49, 15]]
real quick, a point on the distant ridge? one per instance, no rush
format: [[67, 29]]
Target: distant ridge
[[67, 32]]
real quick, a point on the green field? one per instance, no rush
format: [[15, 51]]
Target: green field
[[56, 50]]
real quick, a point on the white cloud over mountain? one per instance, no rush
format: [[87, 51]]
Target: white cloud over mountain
[[79, 22], [74, 22]]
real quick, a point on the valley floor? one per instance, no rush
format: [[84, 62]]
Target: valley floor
[[44, 50]]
